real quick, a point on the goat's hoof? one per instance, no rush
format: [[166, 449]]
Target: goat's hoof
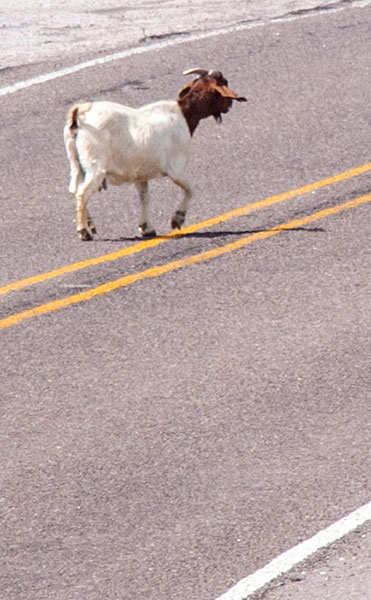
[[103, 186], [85, 235], [147, 233], [174, 224], [178, 219]]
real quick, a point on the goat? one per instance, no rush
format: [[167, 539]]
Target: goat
[[107, 142]]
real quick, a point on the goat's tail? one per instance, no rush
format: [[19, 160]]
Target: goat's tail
[[76, 114], [72, 118]]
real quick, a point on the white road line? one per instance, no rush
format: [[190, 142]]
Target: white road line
[[284, 562], [194, 37], [21, 85]]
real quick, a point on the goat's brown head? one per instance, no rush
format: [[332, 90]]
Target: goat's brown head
[[207, 95]]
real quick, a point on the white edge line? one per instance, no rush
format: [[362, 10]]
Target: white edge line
[[21, 85], [284, 562]]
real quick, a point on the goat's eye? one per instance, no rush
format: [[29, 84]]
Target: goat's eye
[[222, 80]]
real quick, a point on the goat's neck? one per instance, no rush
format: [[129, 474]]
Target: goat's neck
[[193, 111]]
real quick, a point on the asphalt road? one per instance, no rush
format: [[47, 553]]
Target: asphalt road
[[166, 439]]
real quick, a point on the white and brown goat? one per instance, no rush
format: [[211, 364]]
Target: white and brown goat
[[107, 142]]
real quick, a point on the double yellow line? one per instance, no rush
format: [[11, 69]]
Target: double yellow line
[[178, 264]]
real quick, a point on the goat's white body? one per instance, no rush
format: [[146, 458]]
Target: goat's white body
[[131, 144], [120, 144]]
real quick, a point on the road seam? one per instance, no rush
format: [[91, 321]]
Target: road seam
[[181, 263], [192, 37]]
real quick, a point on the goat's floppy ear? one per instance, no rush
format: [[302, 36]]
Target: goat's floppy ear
[[226, 92], [184, 91]]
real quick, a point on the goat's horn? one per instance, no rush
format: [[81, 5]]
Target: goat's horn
[[197, 71]]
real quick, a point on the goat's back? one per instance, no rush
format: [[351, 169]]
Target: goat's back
[[134, 143]]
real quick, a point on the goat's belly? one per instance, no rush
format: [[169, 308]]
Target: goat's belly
[[140, 173]]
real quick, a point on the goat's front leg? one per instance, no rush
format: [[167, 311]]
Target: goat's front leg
[[145, 226], [180, 215]]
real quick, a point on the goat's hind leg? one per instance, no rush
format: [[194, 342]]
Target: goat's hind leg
[[82, 220], [85, 224], [180, 214], [90, 225], [76, 177]]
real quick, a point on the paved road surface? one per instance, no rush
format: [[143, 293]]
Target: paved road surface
[[171, 437], [341, 572], [34, 31]]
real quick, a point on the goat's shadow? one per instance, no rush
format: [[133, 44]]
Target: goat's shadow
[[209, 235]]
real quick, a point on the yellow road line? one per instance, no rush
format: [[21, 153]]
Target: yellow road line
[[145, 245], [178, 264]]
